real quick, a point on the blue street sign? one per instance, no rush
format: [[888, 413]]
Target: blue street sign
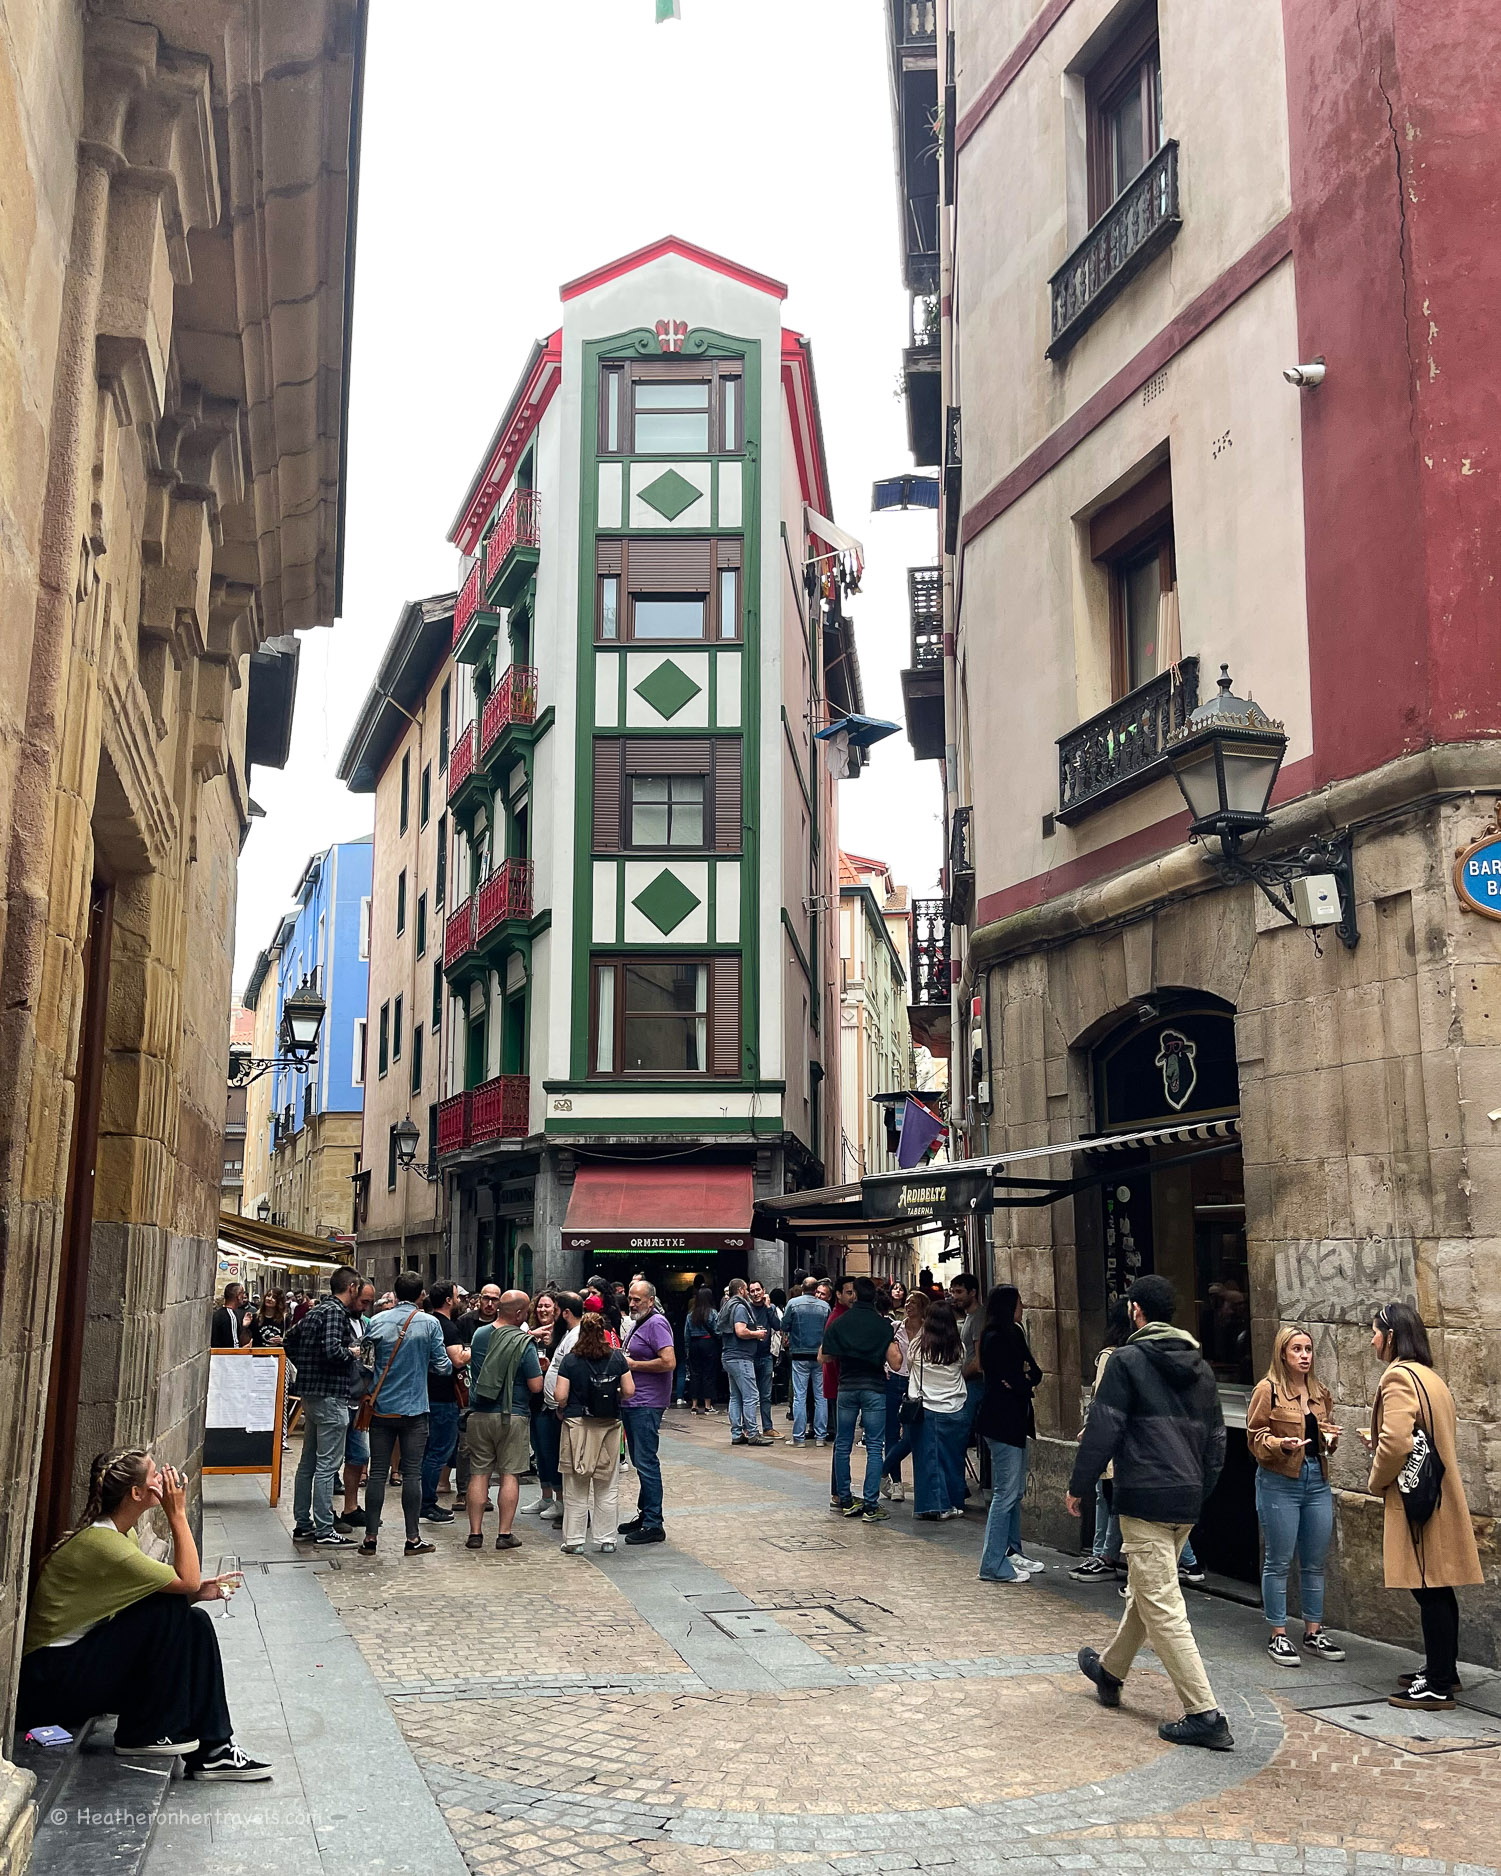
[[1477, 875]]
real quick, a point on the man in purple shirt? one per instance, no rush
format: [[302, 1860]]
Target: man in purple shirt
[[651, 1354]]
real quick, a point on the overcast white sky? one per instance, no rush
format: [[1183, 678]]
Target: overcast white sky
[[509, 146]]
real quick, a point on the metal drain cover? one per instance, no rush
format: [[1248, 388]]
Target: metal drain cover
[[1465, 1729], [744, 1624]]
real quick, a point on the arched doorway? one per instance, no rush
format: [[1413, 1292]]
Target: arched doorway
[[1178, 1210]]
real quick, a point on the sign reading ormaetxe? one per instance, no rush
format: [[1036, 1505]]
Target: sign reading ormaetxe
[[937, 1192], [1477, 873]]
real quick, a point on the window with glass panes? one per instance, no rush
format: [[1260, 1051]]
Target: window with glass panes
[[672, 407], [659, 591], [666, 1016], [1131, 539], [1124, 101]]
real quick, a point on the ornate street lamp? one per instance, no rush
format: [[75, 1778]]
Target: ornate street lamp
[[1225, 761], [407, 1136], [301, 1020], [263, 1210]]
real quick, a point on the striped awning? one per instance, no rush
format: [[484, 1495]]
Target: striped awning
[[1190, 1134]]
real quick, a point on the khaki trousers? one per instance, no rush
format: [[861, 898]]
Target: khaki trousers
[[590, 1465], [1155, 1613]]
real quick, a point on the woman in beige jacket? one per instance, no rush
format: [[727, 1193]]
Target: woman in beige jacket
[[1435, 1558]]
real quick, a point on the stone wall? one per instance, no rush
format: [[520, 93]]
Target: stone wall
[[312, 1175], [1372, 1168]]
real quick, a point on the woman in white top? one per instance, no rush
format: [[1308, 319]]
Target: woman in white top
[[900, 1439], [936, 1361]]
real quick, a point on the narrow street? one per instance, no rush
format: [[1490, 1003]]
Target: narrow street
[[775, 1689]]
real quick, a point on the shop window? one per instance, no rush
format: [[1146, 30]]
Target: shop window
[[653, 591], [1131, 540], [663, 794], [666, 1017], [1123, 97]]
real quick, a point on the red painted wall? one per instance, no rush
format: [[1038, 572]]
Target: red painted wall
[[1394, 113]]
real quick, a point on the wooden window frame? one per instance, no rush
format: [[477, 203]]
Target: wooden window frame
[[406, 789], [625, 374], [396, 1014], [705, 811], [1130, 57], [425, 795], [445, 724], [1119, 536], [422, 924], [438, 988], [726, 554], [383, 1053], [722, 1034], [416, 1077], [440, 880], [401, 902], [720, 760]]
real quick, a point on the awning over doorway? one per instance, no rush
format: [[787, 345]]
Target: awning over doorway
[[655, 1208], [899, 1204], [274, 1244]]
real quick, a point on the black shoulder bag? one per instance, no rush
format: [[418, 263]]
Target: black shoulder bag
[[1421, 1480]]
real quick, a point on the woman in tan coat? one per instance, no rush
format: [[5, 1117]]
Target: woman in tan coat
[[1438, 1556]]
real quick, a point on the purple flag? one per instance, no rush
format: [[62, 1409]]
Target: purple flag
[[919, 1131]]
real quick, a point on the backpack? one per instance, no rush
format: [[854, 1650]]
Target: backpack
[[602, 1398]]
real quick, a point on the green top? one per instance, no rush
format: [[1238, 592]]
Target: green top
[[94, 1576]]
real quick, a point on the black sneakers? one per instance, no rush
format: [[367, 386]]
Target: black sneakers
[[1283, 1653], [1421, 1693], [229, 1765], [1323, 1644], [1091, 1570], [1107, 1688], [641, 1534], [1209, 1730], [163, 1748]]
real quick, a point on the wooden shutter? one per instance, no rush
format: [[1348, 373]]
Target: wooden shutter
[[727, 794], [667, 756], [608, 556], [724, 1016], [727, 551], [667, 566], [607, 805]]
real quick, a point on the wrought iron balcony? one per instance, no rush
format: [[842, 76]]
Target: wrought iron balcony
[[458, 934], [961, 867], [466, 605], [505, 894], [512, 704], [460, 761], [511, 550], [500, 1109], [925, 604], [1139, 224], [1121, 748], [930, 954], [454, 1123]]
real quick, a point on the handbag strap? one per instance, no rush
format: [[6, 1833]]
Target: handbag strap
[[1431, 1429], [375, 1391]]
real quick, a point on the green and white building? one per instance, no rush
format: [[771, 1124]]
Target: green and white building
[[641, 950]]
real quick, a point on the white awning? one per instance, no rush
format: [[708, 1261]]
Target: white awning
[[820, 526]]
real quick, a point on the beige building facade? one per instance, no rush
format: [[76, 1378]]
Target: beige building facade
[[1140, 221], [177, 200]]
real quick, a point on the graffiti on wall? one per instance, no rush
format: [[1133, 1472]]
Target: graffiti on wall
[[1343, 1279]]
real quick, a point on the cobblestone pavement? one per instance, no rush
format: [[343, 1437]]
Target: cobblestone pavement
[[777, 1689]]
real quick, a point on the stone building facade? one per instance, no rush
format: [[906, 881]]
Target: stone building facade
[[174, 284], [1168, 220]]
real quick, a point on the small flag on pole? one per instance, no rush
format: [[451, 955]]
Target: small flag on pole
[[668, 10], [920, 1130]]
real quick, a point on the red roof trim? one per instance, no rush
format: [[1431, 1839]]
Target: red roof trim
[[523, 414], [686, 250], [802, 409]]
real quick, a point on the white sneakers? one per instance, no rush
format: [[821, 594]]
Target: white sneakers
[[892, 1490]]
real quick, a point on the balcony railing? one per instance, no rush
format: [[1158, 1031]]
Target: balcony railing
[[925, 603], [915, 22], [1122, 748], [518, 527], [1136, 226], [513, 701], [460, 761], [501, 1109], [930, 954], [467, 604], [458, 933], [507, 893], [454, 1123], [961, 868]]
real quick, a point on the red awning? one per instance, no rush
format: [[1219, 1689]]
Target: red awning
[[659, 1208]]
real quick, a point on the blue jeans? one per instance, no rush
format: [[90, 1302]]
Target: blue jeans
[[745, 1398], [868, 1406], [1107, 1527], [764, 1365], [643, 1427], [1003, 1527], [325, 1422], [1296, 1515], [938, 1463], [442, 1438], [807, 1371], [547, 1443]]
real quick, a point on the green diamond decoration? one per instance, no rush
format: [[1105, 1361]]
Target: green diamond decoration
[[670, 494], [668, 689], [666, 902]]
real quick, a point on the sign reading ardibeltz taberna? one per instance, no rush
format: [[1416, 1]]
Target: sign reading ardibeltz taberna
[[1477, 872]]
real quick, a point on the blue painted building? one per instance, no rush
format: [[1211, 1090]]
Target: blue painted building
[[315, 1117]]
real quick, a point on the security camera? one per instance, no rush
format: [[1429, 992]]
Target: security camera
[[1307, 377]]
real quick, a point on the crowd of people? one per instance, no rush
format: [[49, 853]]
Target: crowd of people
[[572, 1386]]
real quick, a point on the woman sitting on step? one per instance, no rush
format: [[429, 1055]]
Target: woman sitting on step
[[111, 1630]]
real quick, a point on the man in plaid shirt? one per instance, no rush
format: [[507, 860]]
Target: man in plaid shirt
[[322, 1349]]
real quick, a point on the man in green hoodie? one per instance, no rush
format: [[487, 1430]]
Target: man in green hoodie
[[505, 1373], [1156, 1417]]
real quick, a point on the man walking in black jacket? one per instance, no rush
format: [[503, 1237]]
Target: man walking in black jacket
[[1157, 1415]]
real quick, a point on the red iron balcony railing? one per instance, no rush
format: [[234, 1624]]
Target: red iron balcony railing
[[501, 1109], [460, 761], [454, 1123], [458, 934], [468, 603], [513, 701], [507, 893], [519, 526]]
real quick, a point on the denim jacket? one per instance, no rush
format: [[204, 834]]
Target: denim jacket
[[404, 1390]]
